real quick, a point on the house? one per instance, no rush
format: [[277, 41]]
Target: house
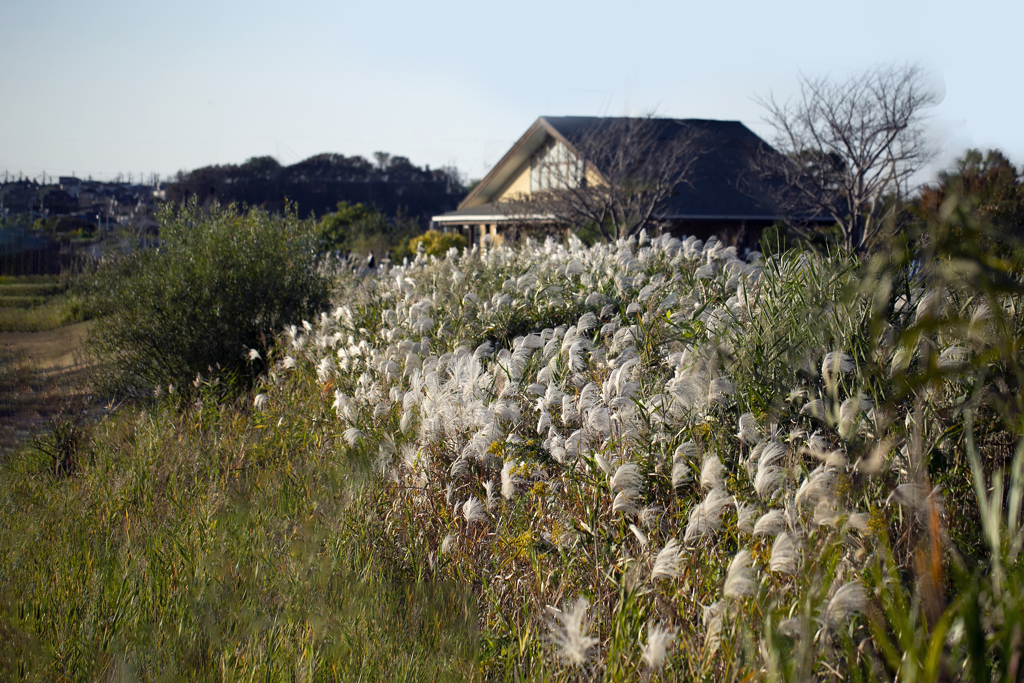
[[722, 194]]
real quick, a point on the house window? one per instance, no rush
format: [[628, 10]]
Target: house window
[[554, 167]]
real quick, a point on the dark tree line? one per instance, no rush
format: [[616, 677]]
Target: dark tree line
[[392, 184]]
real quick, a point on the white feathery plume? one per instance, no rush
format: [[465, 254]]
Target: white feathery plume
[[687, 449], [448, 544], [668, 564], [410, 456], [485, 350], [680, 472], [627, 479], [827, 513], [254, 355], [260, 402], [706, 517], [288, 363], [952, 358], [659, 638], [508, 482], [589, 398], [770, 473], [745, 517], [641, 537], [740, 581], [538, 389], [459, 468], [720, 390], [325, 369], [836, 458], [603, 463], [820, 483], [623, 503], [771, 523], [574, 443], [901, 358], [587, 322], [876, 460], [848, 599], [711, 473], [858, 521], [816, 409], [651, 515], [785, 557], [577, 358], [491, 494], [568, 632], [848, 412], [768, 480], [352, 436], [569, 411], [749, 431], [929, 305], [981, 313], [835, 363], [911, 495], [473, 510], [816, 443], [713, 621], [792, 628], [544, 423], [754, 458], [773, 452]]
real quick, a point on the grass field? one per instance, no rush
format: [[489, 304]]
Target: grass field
[[647, 460], [37, 304]]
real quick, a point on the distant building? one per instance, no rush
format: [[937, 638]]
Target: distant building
[[71, 185], [724, 196]]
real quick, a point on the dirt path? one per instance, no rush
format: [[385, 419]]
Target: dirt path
[[41, 373]]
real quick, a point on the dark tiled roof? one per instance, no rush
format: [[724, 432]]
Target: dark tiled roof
[[723, 184]]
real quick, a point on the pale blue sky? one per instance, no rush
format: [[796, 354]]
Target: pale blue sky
[[105, 87]]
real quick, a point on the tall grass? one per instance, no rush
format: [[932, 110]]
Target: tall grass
[[215, 544], [643, 460]]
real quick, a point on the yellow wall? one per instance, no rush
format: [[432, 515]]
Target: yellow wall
[[518, 186]]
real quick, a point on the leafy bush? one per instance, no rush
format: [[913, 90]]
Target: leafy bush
[[221, 283], [437, 243], [360, 229]]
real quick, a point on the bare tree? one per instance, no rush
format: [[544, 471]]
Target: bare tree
[[615, 176], [848, 150]]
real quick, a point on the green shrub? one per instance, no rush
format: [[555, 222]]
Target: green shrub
[[223, 281], [437, 243], [359, 229]]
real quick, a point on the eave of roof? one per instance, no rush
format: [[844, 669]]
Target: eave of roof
[[493, 213], [513, 160]]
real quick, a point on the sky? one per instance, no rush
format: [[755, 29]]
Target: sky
[[100, 88]]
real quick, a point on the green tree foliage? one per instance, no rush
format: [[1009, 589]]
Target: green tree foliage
[[223, 281], [437, 243], [65, 227], [989, 182], [359, 229], [316, 184]]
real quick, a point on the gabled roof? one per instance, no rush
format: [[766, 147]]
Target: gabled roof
[[723, 185]]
